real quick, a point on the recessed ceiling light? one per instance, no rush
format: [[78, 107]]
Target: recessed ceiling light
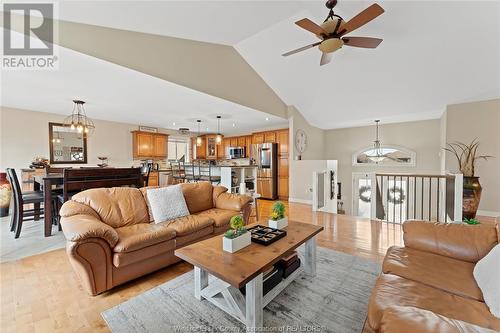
[[267, 118], [207, 128], [234, 125], [173, 123]]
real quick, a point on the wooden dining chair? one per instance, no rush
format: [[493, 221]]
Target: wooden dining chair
[[19, 214]]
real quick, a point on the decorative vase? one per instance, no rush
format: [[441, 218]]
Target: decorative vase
[[278, 224], [232, 245], [5, 194], [471, 197]]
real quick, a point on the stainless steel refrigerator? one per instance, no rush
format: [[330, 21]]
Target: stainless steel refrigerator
[[265, 156]]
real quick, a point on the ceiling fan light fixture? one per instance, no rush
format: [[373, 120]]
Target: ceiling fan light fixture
[[331, 24], [331, 45]]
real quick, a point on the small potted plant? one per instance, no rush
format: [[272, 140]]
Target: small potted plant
[[237, 237], [278, 219]]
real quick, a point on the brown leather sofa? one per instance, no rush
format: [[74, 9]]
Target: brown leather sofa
[[428, 285], [111, 238]]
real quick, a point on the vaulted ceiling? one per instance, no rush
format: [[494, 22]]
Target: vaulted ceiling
[[434, 53]]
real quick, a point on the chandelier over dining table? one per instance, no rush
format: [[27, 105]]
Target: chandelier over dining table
[[78, 120]]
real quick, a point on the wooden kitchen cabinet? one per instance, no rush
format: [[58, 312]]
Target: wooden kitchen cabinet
[[149, 145], [221, 151], [160, 146], [248, 146], [282, 139], [283, 167], [200, 150], [153, 179], [211, 147], [241, 141], [283, 188], [269, 137], [258, 138], [234, 142]]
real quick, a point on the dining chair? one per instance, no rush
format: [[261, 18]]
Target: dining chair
[[19, 214], [146, 176]]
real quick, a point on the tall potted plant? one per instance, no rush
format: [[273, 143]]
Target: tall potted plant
[[467, 156]]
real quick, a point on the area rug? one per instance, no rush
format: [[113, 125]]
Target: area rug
[[335, 300]]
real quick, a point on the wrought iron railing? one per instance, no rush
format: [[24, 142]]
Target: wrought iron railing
[[400, 197]]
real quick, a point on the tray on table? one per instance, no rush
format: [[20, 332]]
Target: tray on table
[[264, 235]]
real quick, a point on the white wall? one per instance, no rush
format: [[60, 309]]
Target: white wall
[[423, 137], [25, 134], [300, 173], [478, 120]]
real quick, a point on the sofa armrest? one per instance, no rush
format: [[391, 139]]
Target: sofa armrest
[[455, 240], [77, 228], [231, 201], [410, 319]]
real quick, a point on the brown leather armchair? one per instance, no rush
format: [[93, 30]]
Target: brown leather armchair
[[428, 285], [112, 239]]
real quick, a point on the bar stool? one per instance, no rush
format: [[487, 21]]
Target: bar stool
[[206, 174]]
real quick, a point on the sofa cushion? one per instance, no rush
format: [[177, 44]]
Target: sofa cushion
[[188, 224], [198, 196], [167, 203], [455, 240], [121, 259], [142, 235], [487, 275], [392, 290], [451, 275], [144, 191], [221, 217], [117, 206], [410, 319]]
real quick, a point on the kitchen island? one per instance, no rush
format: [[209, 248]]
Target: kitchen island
[[232, 176]]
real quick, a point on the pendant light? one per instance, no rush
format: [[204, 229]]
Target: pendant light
[[198, 138], [218, 137], [377, 154], [78, 119]]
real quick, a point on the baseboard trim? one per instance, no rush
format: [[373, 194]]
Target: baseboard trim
[[488, 213], [303, 201]]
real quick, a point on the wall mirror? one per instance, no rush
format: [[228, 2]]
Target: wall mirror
[[67, 146]]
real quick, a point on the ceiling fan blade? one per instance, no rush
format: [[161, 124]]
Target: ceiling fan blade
[[309, 25], [325, 58], [366, 42], [300, 49], [362, 18]]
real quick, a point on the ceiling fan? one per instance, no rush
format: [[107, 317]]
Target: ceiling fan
[[332, 31]]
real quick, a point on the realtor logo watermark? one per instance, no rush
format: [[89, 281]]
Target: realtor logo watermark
[[28, 36]]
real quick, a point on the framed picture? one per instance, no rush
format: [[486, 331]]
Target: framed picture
[[148, 129]]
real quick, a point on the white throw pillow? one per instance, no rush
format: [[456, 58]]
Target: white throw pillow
[[167, 203], [487, 275]]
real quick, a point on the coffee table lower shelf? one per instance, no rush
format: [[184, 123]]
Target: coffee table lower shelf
[[248, 308]]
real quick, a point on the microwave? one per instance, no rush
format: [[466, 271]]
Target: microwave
[[235, 152]]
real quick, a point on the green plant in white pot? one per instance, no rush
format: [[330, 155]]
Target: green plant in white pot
[[237, 237], [278, 219]]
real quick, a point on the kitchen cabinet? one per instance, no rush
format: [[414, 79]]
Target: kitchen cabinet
[[258, 138], [241, 141], [283, 188], [220, 151], [153, 178], [234, 142], [211, 147], [269, 137], [149, 145], [248, 145], [160, 146], [199, 152], [283, 139], [283, 167]]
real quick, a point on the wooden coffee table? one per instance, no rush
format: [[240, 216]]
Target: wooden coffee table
[[245, 268]]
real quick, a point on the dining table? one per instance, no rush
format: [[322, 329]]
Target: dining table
[[45, 183]]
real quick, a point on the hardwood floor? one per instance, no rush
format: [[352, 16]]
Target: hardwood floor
[[42, 294]]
